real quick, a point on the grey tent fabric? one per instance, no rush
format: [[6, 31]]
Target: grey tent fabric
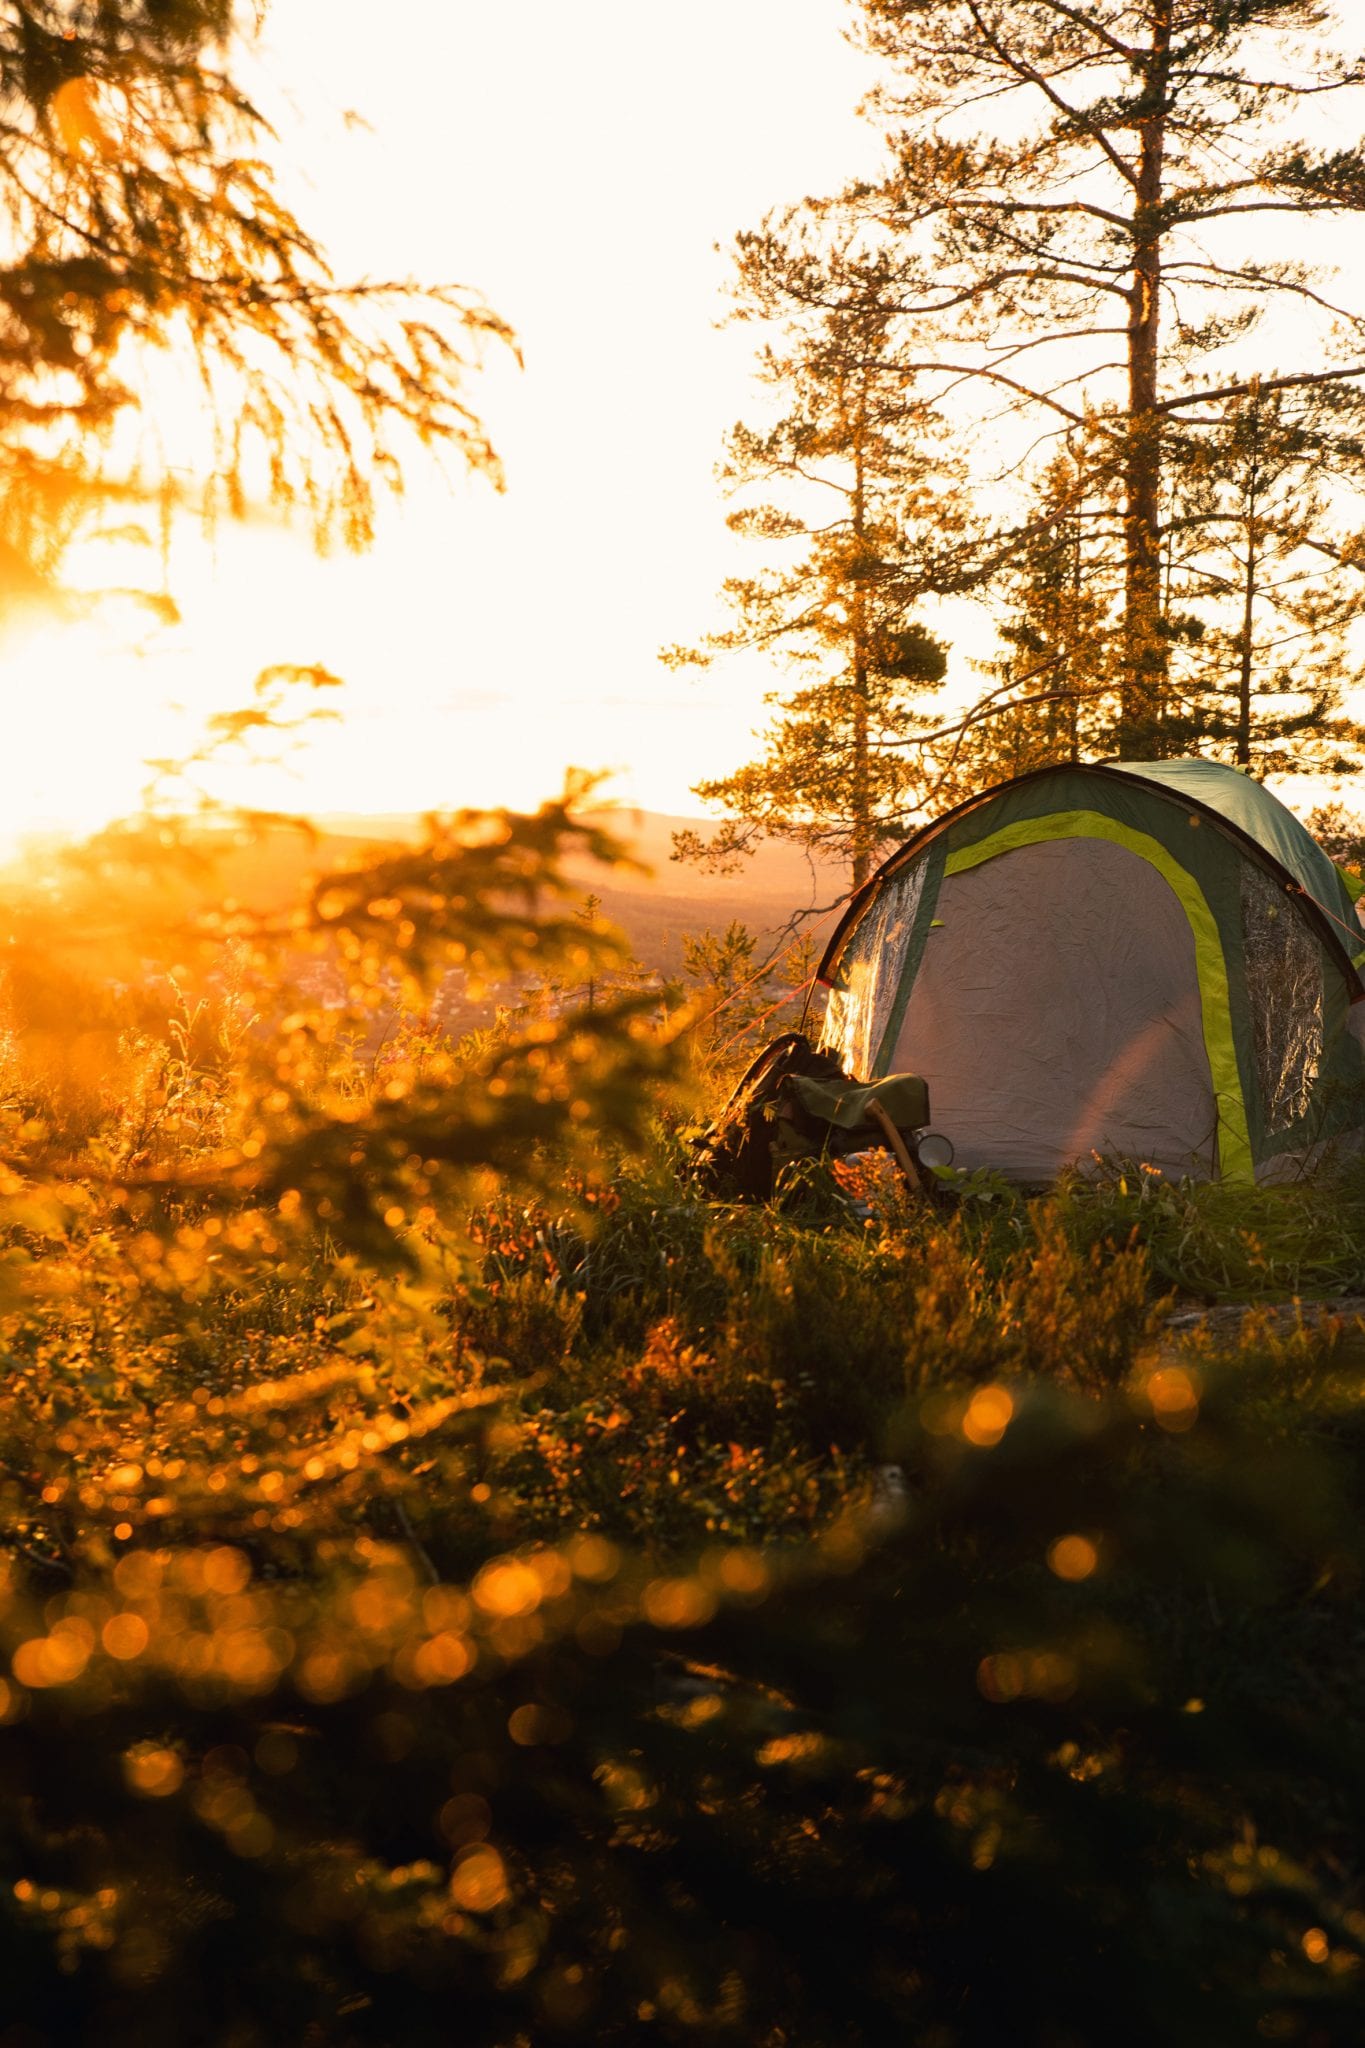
[[1075, 963]]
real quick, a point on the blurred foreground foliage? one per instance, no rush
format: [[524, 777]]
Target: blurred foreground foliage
[[456, 1583]]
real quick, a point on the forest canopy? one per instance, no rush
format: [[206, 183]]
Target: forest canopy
[[1128, 366]]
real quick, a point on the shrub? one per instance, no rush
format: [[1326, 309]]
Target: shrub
[[450, 1574]]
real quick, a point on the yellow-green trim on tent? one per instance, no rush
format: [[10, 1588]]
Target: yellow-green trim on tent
[[1234, 1137]]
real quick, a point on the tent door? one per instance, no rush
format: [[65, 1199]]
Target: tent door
[[1057, 1014]]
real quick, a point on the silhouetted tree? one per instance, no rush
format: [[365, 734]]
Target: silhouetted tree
[[1264, 564], [1071, 204], [142, 215], [1052, 696], [856, 496]]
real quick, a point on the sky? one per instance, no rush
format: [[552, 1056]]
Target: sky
[[579, 166]]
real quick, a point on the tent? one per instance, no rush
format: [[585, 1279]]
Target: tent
[[1152, 961]]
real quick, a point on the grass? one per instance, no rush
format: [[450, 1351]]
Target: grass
[[1217, 1242], [441, 1581]]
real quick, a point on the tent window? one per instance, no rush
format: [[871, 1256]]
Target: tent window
[[1284, 989], [870, 972]]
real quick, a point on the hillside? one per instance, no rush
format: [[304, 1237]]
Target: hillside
[[677, 897], [654, 909]]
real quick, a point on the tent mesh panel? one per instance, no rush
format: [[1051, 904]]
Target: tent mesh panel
[[870, 972], [1284, 986]]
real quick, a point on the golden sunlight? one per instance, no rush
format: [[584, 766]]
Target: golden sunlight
[[79, 737], [506, 1508]]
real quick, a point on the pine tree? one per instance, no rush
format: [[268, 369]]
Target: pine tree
[[724, 985], [142, 215], [1263, 556], [1052, 698], [856, 501], [1071, 190], [1261, 588]]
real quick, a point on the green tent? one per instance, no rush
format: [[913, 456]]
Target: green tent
[[1153, 961]]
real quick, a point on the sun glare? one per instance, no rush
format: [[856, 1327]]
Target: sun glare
[[79, 736]]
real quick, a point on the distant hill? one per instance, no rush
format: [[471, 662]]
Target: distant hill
[[265, 874], [653, 910], [677, 897]]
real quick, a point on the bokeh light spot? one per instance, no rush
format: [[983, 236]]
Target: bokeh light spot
[[1073, 1558], [989, 1414]]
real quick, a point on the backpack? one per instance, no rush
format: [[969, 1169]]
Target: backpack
[[796, 1102]]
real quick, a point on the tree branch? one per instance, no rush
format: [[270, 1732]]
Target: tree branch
[[1032, 76], [1244, 390]]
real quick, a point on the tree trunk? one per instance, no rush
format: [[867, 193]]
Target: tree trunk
[[1143, 692], [860, 794], [1073, 675], [862, 838], [1249, 597]]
